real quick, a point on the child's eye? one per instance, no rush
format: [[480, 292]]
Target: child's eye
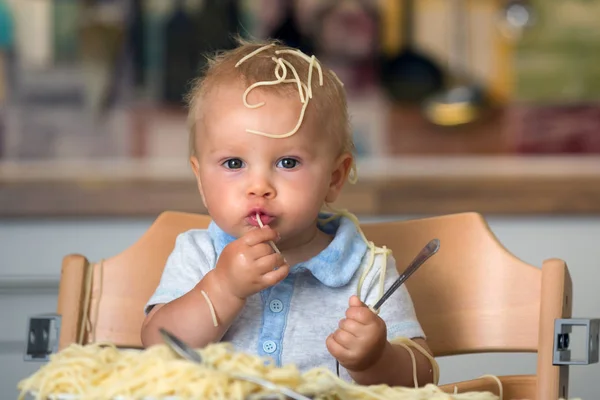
[[288, 163], [233, 163]]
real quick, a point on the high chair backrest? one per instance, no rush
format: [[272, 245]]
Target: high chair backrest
[[473, 296]]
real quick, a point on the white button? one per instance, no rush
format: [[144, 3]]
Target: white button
[[269, 346], [276, 306]]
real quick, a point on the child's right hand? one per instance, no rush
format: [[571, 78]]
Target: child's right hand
[[249, 264]]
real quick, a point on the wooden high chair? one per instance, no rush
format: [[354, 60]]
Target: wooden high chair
[[473, 296]]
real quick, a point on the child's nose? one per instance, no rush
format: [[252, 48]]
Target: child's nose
[[261, 187]]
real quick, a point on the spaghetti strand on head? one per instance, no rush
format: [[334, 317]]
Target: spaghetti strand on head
[[280, 79], [305, 91]]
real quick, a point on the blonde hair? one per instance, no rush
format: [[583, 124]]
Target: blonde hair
[[255, 64]]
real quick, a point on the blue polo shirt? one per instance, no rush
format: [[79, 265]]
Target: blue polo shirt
[[290, 321]]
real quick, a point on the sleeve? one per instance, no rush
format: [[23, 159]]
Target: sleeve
[[398, 311], [185, 267]]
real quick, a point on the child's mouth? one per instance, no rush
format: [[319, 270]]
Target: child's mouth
[[256, 219]]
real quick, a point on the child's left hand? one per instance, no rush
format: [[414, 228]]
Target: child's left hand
[[361, 338]]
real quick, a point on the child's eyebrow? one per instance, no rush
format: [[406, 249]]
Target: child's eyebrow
[[222, 151]]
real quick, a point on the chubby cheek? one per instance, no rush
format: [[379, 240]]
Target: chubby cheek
[[218, 193], [308, 189]]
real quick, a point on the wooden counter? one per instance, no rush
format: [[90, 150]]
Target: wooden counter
[[402, 185]]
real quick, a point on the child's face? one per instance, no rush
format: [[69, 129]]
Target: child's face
[[285, 180]]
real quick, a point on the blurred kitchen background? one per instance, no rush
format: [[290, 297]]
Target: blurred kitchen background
[[97, 79], [457, 105]]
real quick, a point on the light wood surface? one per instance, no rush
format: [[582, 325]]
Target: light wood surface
[[129, 279], [386, 186], [473, 296], [71, 297], [557, 289]]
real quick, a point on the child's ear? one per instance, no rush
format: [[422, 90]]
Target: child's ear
[[195, 164], [342, 168]]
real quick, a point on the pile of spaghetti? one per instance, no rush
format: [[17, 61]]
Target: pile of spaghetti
[[103, 372]]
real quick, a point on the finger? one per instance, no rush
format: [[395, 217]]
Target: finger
[[334, 348], [363, 315], [259, 250], [274, 277], [346, 339], [354, 301], [269, 262], [261, 235], [351, 326]]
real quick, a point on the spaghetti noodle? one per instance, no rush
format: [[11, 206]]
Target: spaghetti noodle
[[260, 223], [211, 307], [103, 372]]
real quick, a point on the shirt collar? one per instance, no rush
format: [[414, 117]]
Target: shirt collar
[[334, 266]]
